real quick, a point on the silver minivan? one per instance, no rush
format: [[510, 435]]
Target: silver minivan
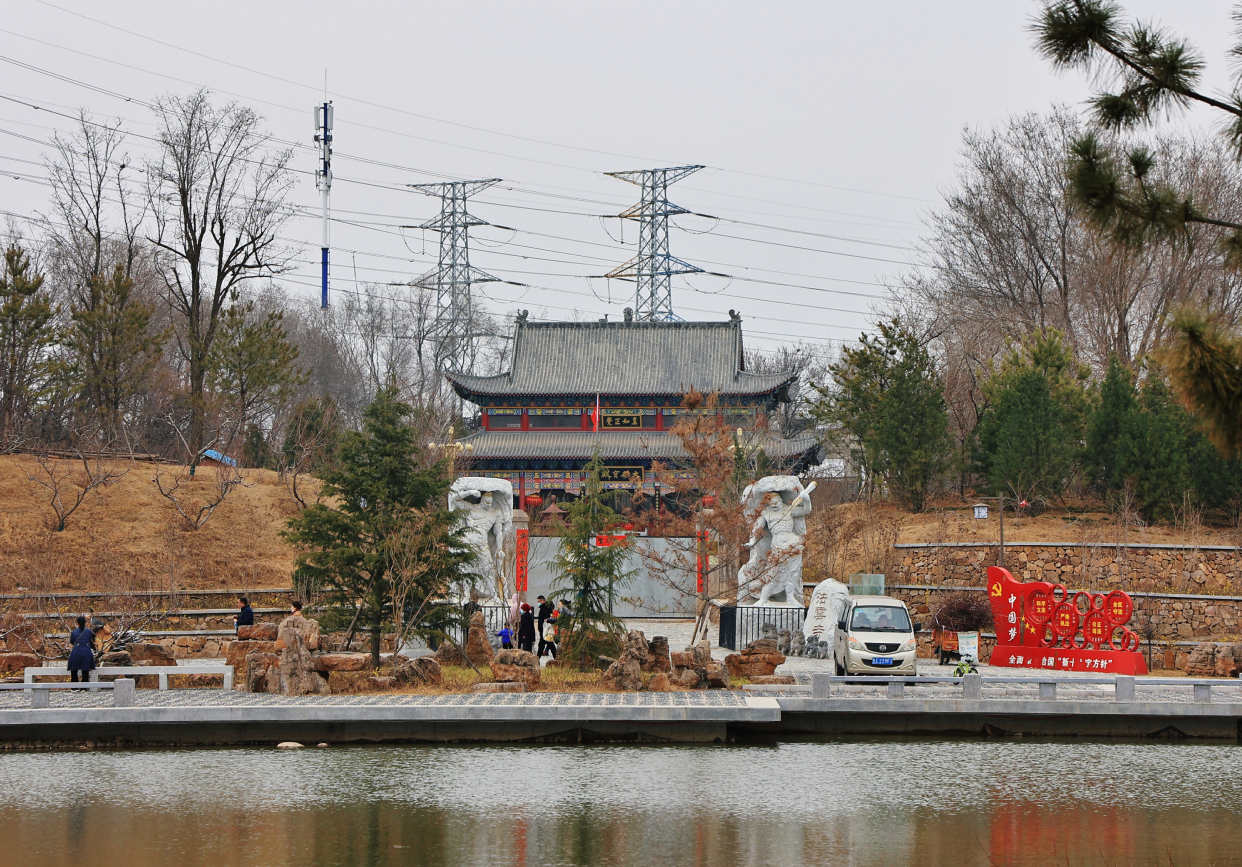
[[875, 636]]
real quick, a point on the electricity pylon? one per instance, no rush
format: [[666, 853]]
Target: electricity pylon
[[453, 277], [653, 267]]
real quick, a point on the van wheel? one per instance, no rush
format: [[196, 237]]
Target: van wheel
[[840, 669]]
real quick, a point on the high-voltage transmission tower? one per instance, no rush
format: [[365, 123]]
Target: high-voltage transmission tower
[[653, 267], [451, 280]]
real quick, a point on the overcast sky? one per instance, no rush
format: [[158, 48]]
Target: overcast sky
[[835, 124]]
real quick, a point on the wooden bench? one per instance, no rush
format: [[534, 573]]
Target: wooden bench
[[41, 693], [163, 671]]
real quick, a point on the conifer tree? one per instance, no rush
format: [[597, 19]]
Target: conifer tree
[[26, 333], [593, 576], [1030, 434], [1152, 451], [1107, 425], [113, 346], [375, 485]]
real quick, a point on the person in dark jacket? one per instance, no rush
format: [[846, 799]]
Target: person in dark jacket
[[244, 617], [82, 656], [526, 629], [545, 613]]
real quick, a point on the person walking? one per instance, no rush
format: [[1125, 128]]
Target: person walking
[[506, 637], [545, 614], [548, 640], [526, 628], [82, 656], [244, 617]]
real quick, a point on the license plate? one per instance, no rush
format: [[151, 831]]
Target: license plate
[[881, 660]]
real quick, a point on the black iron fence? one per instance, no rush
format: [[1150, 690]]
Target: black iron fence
[[742, 624], [495, 617]]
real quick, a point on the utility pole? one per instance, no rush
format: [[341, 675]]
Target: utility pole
[[653, 267], [323, 180], [454, 275]]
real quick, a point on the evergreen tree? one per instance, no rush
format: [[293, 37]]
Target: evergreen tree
[[594, 576], [312, 436], [113, 347], [345, 547], [26, 334], [1030, 433], [888, 398], [253, 365], [1106, 427], [1152, 451]]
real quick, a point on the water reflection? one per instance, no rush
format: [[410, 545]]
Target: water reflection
[[845, 802]]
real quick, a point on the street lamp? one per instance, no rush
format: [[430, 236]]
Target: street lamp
[[1000, 561], [454, 449]]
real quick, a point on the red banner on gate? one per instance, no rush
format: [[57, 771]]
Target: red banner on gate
[[702, 562], [521, 571]]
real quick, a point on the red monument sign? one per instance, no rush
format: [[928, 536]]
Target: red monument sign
[[1043, 625]]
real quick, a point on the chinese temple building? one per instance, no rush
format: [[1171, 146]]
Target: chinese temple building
[[538, 429]]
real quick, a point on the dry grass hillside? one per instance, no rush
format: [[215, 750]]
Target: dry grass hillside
[[126, 535]]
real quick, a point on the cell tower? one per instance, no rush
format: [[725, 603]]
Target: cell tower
[[653, 267], [323, 180], [454, 275]]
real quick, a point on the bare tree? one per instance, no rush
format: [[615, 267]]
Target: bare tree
[[69, 483], [217, 192]]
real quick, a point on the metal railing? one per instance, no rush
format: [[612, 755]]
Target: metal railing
[[742, 624], [1124, 686]]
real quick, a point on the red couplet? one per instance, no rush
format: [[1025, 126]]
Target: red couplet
[[521, 561]]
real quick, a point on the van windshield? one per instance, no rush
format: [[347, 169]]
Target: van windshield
[[880, 618]]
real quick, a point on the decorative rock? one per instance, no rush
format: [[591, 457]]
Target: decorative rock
[[297, 666], [658, 658], [288, 745], [759, 658], [682, 659], [478, 648], [342, 661], [258, 632], [17, 661], [148, 653], [1202, 661], [321, 745], [625, 675], [255, 668], [239, 653], [774, 678], [516, 666], [116, 657], [424, 671], [205, 681], [717, 675], [498, 687], [449, 655], [659, 683]]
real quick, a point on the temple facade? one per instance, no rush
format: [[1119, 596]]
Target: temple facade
[[539, 426]]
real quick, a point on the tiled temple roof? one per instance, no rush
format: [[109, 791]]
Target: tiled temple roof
[[625, 358], [575, 445]]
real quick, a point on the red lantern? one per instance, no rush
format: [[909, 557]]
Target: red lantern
[[534, 501], [627, 527], [708, 501]]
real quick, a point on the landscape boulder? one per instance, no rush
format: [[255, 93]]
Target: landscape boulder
[[18, 661], [758, 659], [659, 683], [423, 671], [116, 658], [658, 658], [146, 653], [381, 682], [625, 674], [478, 648], [205, 681], [239, 653], [342, 661], [256, 666], [1202, 661], [782, 679], [258, 632], [297, 667], [516, 666], [694, 668]]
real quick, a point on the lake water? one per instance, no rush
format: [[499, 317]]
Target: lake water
[[863, 802]]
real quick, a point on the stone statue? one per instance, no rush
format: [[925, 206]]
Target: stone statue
[[780, 505], [488, 504]]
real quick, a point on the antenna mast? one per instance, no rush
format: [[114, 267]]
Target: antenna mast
[[323, 180]]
